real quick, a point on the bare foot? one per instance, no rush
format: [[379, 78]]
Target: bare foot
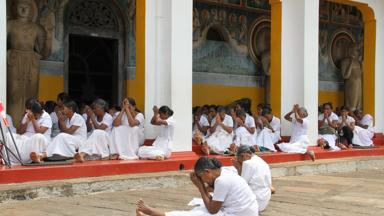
[[143, 208], [35, 157], [273, 190], [79, 157], [159, 158], [311, 155], [138, 213], [114, 157], [205, 149]]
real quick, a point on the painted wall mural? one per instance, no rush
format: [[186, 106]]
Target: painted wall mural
[[243, 45], [341, 26], [51, 15], [221, 35]]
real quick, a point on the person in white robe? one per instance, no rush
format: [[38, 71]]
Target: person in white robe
[[61, 98], [246, 130], [256, 173], [221, 133], [128, 132], [35, 130], [327, 122], [11, 125], [162, 146], [346, 126], [231, 196], [270, 134], [364, 130], [73, 134], [99, 122], [200, 126], [299, 141]]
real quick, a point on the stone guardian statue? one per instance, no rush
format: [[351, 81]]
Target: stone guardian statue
[[351, 70], [26, 41]]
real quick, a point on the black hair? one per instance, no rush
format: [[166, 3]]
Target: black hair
[[204, 163], [49, 106], [220, 109], [29, 102], [36, 108], [63, 97], [260, 105], [344, 108], [166, 110], [240, 113], [266, 111], [212, 107], [329, 104], [116, 107], [132, 102], [198, 110], [72, 105], [102, 103]]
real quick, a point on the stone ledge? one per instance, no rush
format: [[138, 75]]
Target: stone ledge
[[86, 186]]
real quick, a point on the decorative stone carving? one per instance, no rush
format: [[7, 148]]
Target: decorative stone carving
[[26, 41], [93, 14]]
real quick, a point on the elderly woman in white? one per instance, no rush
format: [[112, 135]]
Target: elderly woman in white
[[128, 132], [328, 123], [99, 123], [270, 134], [299, 139], [364, 130]]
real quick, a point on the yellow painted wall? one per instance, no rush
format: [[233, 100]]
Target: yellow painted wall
[[50, 87], [223, 95], [335, 97], [136, 88]]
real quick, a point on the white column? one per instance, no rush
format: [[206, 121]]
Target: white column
[[157, 59], [168, 76], [181, 73], [299, 72], [3, 50]]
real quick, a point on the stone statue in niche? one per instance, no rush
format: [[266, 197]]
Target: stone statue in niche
[[26, 41], [351, 69]]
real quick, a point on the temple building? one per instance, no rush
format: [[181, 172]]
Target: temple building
[[185, 53]]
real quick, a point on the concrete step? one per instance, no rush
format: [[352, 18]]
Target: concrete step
[[87, 186]]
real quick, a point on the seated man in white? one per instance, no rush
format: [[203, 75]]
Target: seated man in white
[[299, 141], [58, 110], [256, 173], [270, 134], [73, 134], [162, 147], [128, 132], [200, 126], [36, 130], [98, 143], [364, 130], [221, 133], [328, 126], [246, 129]]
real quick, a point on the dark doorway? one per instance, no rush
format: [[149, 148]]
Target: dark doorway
[[92, 68]]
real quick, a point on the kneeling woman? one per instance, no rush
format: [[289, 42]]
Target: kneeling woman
[[162, 147], [231, 194], [99, 122], [73, 134], [128, 134]]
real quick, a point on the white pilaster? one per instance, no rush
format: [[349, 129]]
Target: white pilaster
[[3, 50], [299, 72], [181, 73], [168, 76]]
